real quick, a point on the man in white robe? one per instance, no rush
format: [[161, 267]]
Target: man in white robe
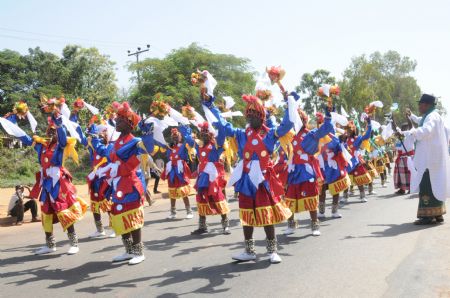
[[431, 162]]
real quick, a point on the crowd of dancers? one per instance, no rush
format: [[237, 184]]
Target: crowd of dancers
[[279, 166]]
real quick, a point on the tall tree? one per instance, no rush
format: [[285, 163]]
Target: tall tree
[[80, 72], [171, 75], [385, 77], [309, 84]]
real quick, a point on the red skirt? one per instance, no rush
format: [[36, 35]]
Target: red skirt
[[302, 196]]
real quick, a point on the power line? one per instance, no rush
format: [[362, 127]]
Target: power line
[[67, 37]]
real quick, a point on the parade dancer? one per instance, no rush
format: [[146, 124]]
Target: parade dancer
[[304, 174], [334, 160], [127, 192], [54, 188], [211, 180], [177, 172], [259, 189], [99, 188], [357, 171]]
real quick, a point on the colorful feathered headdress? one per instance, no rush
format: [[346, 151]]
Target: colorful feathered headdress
[[126, 112], [49, 105], [255, 107]]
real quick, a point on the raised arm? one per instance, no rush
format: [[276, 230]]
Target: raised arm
[[227, 128], [284, 126], [310, 142], [366, 135], [60, 131], [186, 132], [84, 140]]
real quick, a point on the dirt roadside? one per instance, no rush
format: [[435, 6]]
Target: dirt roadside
[[6, 193]]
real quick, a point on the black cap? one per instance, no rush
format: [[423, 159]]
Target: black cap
[[429, 99]]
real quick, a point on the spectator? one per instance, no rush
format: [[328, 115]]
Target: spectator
[[17, 208]]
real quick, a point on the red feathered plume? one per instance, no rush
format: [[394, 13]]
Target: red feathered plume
[[125, 111], [254, 107]]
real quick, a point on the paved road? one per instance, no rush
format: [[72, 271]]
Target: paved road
[[373, 251]]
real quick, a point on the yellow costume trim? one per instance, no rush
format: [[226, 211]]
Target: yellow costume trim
[[205, 209], [264, 216], [103, 206], [128, 221], [361, 179], [73, 214], [302, 204], [179, 192], [339, 185]]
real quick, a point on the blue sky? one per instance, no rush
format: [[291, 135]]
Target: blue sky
[[299, 35]]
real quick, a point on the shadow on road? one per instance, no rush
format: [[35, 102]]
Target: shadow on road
[[392, 230], [63, 278], [214, 276]]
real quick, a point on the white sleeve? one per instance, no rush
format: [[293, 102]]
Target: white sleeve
[[426, 131], [415, 119]]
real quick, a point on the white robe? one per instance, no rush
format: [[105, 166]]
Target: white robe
[[432, 153]]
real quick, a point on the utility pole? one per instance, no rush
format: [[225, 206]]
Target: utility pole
[[139, 51]]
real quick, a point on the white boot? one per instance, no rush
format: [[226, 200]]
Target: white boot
[[290, 227], [172, 214], [362, 197], [73, 249], [128, 243], [321, 213], [100, 230], [49, 247], [272, 251], [97, 234], [45, 250], [226, 226], [112, 235], [334, 211], [138, 254], [189, 214], [315, 228], [249, 253], [275, 258]]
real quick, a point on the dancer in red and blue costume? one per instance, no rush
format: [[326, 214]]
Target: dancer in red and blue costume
[[260, 191], [177, 172], [54, 188], [211, 180], [127, 192], [359, 175], [99, 188], [333, 163], [304, 173]]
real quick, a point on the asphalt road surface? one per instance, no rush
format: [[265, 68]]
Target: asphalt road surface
[[373, 251]]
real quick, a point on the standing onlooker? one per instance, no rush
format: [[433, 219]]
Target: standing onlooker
[[431, 161]]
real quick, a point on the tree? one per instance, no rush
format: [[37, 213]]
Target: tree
[[385, 77], [171, 75], [309, 84], [80, 72]]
